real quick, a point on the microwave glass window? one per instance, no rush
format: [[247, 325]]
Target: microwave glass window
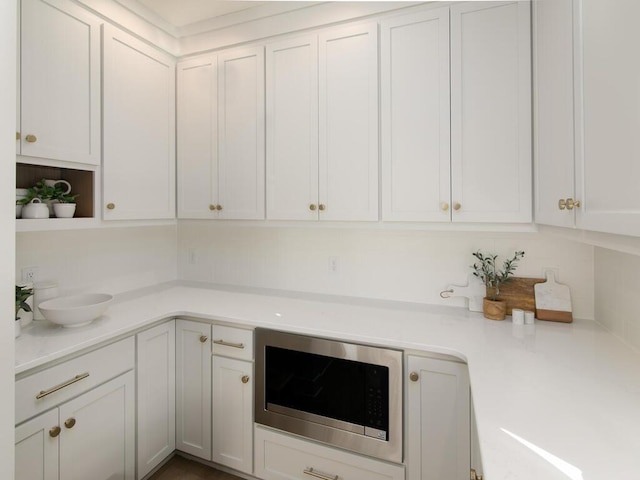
[[345, 390]]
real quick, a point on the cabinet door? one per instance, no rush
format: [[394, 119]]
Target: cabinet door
[[348, 128], [553, 110], [60, 74], [138, 129], [193, 388], [415, 117], [292, 129], [98, 433], [233, 413], [197, 142], [608, 119], [37, 448], [491, 112], [156, 387], [241, 133], [438, 420]]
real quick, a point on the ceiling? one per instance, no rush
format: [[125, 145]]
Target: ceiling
[[185, 12]]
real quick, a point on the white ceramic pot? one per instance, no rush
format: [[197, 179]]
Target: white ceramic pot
[[35, 209], [18, 328], [18, 210], [64, 210]]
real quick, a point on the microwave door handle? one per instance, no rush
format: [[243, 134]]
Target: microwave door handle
[[321, 476]]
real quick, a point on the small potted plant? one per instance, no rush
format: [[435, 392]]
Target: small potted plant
[[487, 271], [64, 205], [22, 295]]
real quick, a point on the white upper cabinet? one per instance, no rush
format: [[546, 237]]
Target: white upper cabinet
[[292, 129], [491, 112], [197, 99], [415, 117], [138, 129], [553, 111], [241, 134], [607, 118], [60, 82], [348, 123]]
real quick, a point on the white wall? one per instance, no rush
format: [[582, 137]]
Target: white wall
[[7, 222], [108, 260], [617, 291], [402, 265]]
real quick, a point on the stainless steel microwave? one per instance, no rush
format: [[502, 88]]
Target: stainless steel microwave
[[342, 394]]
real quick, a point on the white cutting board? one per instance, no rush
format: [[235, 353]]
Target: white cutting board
[[553, 300], [474, 291]]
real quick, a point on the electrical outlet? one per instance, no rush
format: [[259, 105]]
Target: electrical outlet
[[333, 264], [29, 274]]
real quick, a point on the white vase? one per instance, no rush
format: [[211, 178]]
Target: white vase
[[18, 328], [64, 210]]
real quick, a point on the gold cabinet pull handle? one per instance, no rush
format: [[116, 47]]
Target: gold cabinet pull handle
[[31, 138], [70, 422], [413, 376], [571, 203], [310, 471], [203, 338], [444, 206], [245, 379], [54, 431], [312, 207], [562, 204], [457, 206], [111, 206], [229, 344], [75, 379], [475, 475], [322, 207]]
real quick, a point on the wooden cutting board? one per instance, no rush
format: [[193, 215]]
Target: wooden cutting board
[[519, 292], [553, 301]]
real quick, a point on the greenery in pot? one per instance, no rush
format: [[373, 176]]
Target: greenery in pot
[[47, 192], [22, 295], [490, 275]]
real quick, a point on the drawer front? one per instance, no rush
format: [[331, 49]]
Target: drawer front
[[69, 379], [282, 457], [232, 342]]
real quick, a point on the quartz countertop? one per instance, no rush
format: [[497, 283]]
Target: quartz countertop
[[551, 400]]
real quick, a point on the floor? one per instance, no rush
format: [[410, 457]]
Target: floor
[[179, 468]]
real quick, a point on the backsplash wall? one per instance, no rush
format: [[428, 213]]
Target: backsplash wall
[[387, 264], [617, 289], [109, 260]]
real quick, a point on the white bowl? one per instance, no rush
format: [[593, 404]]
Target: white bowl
[[75, 310]]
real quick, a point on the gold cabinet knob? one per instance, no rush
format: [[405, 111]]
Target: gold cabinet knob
[[322, 207], [571, 203], [218, 207], [413, 376], [212, 207], [70, 422], [562, 204], [31, 138], [444, 206], [203, 338], [18, 136], [457, 206], [245, 379], [111, 206], [54, 431], [312, 207]]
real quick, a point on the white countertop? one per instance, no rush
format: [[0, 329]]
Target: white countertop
[[552, 401]]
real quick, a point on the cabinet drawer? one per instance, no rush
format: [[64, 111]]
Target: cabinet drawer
[[69, 379], [282, 457], [232, 342]]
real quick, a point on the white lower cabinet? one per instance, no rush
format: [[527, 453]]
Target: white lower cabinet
[[193, 388], [232, 413], [437, 419], [283, 457], [91, 436], [156, 386]]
